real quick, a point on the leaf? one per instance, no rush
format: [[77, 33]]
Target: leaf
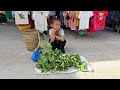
[[55, 60]]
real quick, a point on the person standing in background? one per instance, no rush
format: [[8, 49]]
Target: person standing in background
[[58, 14], [3, 18]]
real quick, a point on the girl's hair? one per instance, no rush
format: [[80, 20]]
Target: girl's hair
[[55, 19]]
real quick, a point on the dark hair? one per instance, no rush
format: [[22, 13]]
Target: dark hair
[[55, 19]]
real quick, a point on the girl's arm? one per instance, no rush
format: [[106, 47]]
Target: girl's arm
[[61, 38], [52, 36]]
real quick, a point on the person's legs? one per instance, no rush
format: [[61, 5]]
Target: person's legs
[[58, 14], [62, 45], [54, 45]]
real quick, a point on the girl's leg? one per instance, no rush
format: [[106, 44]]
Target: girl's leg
[[62, 45], [54, 45]]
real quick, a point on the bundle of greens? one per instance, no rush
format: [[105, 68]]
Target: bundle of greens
[[55, 60]]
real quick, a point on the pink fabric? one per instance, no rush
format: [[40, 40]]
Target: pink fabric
[[91, 25], [95, 23], [72, 24], [75, 30], [71, 21], [99, 24]]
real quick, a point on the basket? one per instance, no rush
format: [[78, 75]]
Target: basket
[[30, 38]]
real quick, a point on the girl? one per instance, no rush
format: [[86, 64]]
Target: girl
[[57, 36]]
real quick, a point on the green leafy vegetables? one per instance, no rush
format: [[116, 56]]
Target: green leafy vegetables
[[55, 60]]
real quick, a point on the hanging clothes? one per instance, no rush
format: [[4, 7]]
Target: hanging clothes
[[115, 17], [13, 13], [108, 18], [31, 21], [40, 19], [67, 18], [58, 14], [97, 22], [21, 17], [100, 19], [91, 29], [64, 14], [62, 17], [84, 17], [8, 15], [52, 13], [77, 20], [72, 20]]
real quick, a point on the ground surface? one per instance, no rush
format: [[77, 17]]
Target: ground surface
[[102, 51]]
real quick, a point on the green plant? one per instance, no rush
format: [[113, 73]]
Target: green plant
[[55, 60]]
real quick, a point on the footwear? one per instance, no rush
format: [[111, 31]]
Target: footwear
[[63, 51]]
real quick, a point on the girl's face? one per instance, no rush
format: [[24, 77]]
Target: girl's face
[[56, 25]]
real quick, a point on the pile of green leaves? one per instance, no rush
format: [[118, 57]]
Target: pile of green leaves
[[55, 60]]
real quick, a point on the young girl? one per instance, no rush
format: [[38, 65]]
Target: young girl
[[57, 36]]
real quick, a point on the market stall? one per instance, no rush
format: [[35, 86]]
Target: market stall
[[50, 61], [85, 22]]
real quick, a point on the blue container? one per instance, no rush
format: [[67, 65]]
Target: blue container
[[35, 55]]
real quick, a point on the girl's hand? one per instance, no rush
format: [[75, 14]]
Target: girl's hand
[[52, 36]]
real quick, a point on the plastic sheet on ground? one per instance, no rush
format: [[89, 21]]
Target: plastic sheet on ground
[[70, 70]]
